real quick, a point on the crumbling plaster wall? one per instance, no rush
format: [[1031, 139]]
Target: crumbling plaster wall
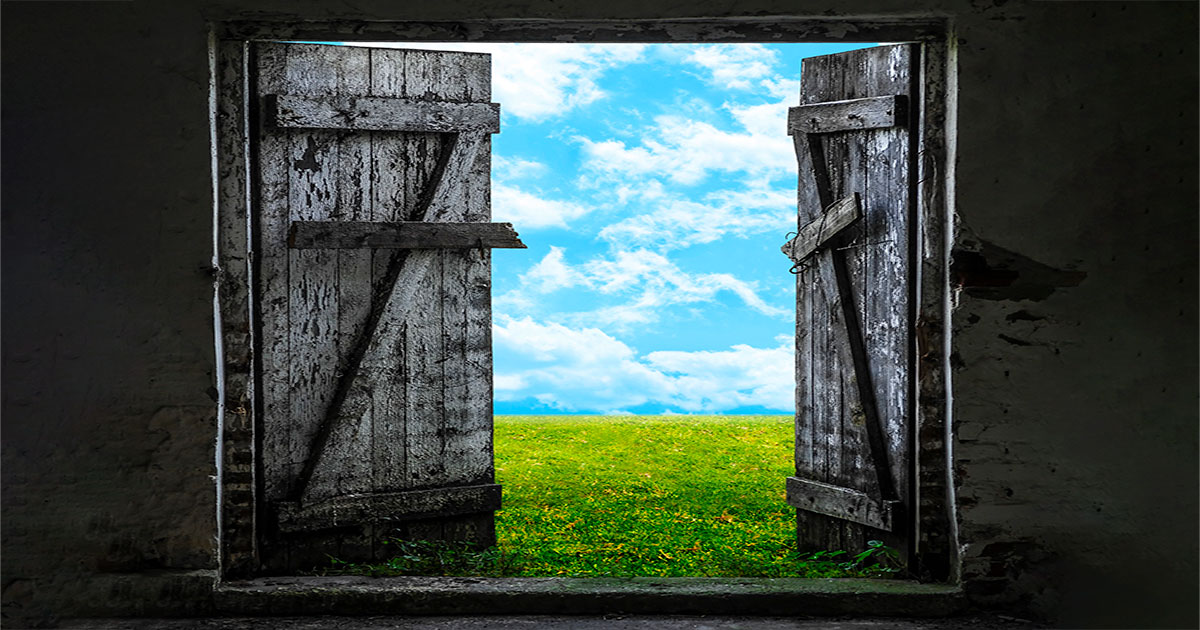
[[1074, 395]]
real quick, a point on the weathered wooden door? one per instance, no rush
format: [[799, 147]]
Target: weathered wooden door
[[853, 134], [371, 202]]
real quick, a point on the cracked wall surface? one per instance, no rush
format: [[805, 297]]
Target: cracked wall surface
[[1074, 331]]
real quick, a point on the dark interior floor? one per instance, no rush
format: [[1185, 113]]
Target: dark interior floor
[[542, 622]]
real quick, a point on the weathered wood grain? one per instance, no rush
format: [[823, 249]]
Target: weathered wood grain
[[316, 187], [406, 277], [813, 236], [473, 444], [381, 375], [271, 217], [852, 372], [858, 114], [841, 503], [381, 114], [401, 235], [355, 509]]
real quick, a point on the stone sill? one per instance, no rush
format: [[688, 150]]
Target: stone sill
[[358, 595]]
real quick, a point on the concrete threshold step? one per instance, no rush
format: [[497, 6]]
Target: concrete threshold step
[[358, 595]]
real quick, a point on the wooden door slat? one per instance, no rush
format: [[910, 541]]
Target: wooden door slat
[[365, 113], [840, 502], [354, 509], [813, 236], [851, 133], [857, 114], [402, 235], [374, 345]]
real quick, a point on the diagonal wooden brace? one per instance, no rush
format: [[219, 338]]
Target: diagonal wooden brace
[[813, 237], [392, 301], [837, 273]]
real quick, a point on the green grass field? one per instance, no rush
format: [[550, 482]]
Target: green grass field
[[637, 496], [645, 495]]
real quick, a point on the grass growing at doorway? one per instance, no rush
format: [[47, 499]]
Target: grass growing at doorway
[[638, 496], [646, 495]]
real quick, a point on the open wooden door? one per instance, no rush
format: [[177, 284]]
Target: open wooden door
[[373, 310], [853, 133]]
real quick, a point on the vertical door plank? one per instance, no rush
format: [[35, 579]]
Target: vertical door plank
[[390, 201], [475, 440], [416, 411], [320, 343], [873, 164], [354, 195], [281, 462], [812, 324], [892, 72], [467, 434]]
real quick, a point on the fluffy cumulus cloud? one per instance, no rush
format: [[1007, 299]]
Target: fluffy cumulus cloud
[[674, 221], [585, 368], [530, 210], [659, 175], [685, 151], [543, 81], [736, 66], [540, 81], [516, 168], [552, 273], [641, 284]]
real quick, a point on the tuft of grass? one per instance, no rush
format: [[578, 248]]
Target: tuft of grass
[[425, 557], [629, 496]]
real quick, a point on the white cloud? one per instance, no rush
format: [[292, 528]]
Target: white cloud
[[587, 369], [526, 210], [646, 176], [674, 222], [551, 273], [556, 343], [544, 80], [734, 66], [504, 168], [685, 151], [645, 282], [741, 376]]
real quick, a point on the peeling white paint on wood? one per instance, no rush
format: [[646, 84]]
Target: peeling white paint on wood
[[381, 114], [868, 263], [409, 406]]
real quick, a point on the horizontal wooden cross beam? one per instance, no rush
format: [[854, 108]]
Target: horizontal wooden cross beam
[[812, 237], [843, 503], [368, 113], [401, 235], [387, 507], [878, 112]]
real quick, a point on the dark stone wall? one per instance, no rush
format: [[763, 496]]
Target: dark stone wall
[[1074, 384]]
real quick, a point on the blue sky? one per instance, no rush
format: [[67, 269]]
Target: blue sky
[[653, 185]]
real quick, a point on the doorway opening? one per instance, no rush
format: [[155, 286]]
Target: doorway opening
[[564, 261], [643, 343]]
